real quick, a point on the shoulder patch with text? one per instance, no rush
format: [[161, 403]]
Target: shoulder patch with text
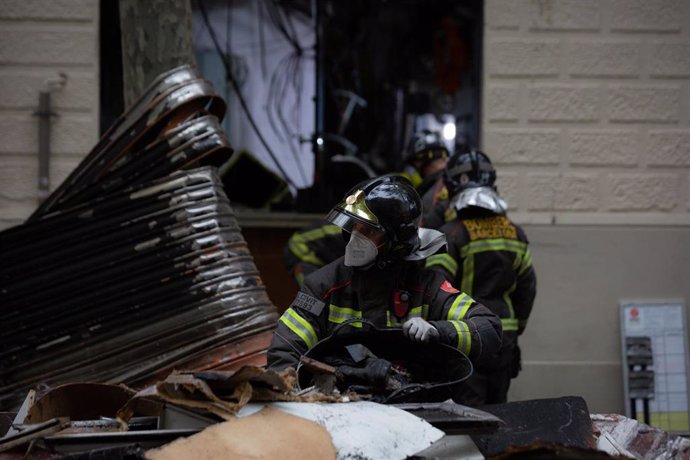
[[447, 287], [306, 302], [490, 228]]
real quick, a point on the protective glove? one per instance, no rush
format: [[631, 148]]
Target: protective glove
[[419, 330]]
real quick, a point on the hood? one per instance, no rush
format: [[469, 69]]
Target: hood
[[481, 197], [430, 241]]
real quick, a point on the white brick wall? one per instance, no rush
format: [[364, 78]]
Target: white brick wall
[[586, 108], [42, 42]]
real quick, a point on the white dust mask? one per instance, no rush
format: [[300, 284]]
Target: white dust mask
[[360, 251]]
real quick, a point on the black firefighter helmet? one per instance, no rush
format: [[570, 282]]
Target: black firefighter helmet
[[468, 168], [425, 147], [387, 204]]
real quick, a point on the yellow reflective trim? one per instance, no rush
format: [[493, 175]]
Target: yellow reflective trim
[[497, 244], [526, 262], [509, 300], [445, 261], [303, 253], [464, 336], [317, 233], [421, 311], [467, 282], [299, 326], [459, 307], [468, 338], [392, 323], [339, 315], [509, 324]]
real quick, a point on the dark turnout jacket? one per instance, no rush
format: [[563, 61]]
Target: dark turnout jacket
[[337, 293], [489, 258]]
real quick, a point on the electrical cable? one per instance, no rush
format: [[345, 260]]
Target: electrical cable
[[243, 103]]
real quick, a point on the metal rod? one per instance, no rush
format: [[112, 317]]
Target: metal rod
[[44, 113]]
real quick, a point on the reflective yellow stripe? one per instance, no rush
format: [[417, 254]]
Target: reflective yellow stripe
[[526, 262], [317, 233], [464, 337], [459, 307], [419, 312], [445, 261], [303, 253], [509, 300], [339, 315], [509, 324], [498, 244], [299, 326], [391, 320], [467, 274], [298, 243]]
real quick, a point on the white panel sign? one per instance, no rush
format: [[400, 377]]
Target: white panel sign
[[661, 326]]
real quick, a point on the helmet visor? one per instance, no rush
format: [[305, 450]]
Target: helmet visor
[[350, 222], [353, 214]]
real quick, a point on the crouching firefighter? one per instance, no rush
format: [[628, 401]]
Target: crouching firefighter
[[381, 280]]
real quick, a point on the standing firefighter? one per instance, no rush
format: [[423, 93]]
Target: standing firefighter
[[382, 279], [488, 258], [428, 155]]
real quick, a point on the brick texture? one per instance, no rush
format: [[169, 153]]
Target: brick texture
[[19, 175], [669, 148], [19, 179], [53, 10], [650, 104], [519, 146], [503, 14], [562, 192], [38, 42], [603, 59], [508, 188], [586, 108], [524, 58], [604, 147], [670, 59], [643, 192], [645, 15], [58, 46], [19, 89], [564, 14], [502, 103], [70, 134], [564, 103]]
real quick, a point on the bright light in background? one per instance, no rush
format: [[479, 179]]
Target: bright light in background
[[319, 141], [449, 131]]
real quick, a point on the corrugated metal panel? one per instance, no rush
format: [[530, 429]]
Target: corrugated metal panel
[[135, 265]]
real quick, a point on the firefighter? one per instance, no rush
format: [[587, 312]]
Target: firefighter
[[428, 155], [312, 247], [488, 258], [381, 278], [320, 243]]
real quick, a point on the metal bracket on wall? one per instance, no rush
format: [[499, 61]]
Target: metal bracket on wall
[[44, 114]]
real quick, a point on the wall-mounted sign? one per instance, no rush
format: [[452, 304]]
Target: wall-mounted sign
[[656, 370]]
